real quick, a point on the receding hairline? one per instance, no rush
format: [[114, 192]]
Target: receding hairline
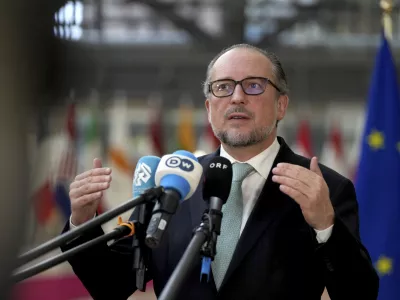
[[278, 73], [239, 48]]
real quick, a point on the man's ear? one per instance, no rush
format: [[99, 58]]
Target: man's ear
[[283, 102], [207, 104]]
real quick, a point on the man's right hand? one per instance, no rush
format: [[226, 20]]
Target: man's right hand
[[86, 192]]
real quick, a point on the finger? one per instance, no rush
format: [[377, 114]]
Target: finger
[[89, 199], [314, 166], [295, 172], [97, 163], [90, 179], [93, 172], [294, 194], [89, 189], [293, 183]]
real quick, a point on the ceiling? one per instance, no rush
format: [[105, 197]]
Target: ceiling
[[141, 46]]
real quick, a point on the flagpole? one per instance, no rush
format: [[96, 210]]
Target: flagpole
[[387, 7]]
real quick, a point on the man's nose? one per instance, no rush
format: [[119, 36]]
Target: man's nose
[[238, 96]]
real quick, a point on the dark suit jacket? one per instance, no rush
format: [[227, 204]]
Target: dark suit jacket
[[277, 256]]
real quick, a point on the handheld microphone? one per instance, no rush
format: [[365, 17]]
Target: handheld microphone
[[179, 174], [144, 175], [216, 190], [143, 179], [217, 182]]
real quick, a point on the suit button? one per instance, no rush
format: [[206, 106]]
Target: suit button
[[329, 266]]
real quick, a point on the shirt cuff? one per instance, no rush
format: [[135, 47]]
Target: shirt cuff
[[71, 225], [324, 235]]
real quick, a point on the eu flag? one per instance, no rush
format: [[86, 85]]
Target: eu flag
[[378, 176]]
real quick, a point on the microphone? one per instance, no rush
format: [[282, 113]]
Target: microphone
[[143, 179], [144, 175], [216, 190], [218, 181], [179, 174]]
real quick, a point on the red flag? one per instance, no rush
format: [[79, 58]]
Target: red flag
[[303, 141], [333, 154], [156, 131], [68, 165], [43, 202], [208, 142], [212, 139], [42, 193]]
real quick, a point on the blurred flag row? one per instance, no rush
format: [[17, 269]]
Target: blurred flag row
[[62, 155]]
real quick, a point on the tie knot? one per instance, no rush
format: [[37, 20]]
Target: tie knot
[[240, 171]]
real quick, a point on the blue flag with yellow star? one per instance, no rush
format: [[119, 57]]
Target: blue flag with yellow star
[[378, 175]]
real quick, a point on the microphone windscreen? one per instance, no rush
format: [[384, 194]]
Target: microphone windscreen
[[217, 179], [179, 171], [144, 176]]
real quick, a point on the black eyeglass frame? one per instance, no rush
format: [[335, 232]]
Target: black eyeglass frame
[[267, 80]]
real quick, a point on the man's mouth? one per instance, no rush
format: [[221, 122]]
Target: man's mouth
[[238, 116]]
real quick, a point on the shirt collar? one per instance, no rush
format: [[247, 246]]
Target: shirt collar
[[257, 162]]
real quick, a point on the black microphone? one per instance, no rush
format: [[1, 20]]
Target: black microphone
[[217, 183], [216, 189]]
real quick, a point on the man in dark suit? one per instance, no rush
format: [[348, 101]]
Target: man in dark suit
[[289, 229]]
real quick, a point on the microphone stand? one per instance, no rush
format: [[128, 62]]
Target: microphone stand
[[203, 242], [140, 254], [124, 229], [209, 249], [148, 196]]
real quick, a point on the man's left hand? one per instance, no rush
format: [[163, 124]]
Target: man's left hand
[[309, 189]]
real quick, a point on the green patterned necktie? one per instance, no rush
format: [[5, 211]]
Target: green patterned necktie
[[231, 223]]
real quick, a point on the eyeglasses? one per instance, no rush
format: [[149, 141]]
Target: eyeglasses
[[250, 86]]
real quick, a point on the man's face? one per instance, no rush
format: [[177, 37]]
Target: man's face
[[242, 120]]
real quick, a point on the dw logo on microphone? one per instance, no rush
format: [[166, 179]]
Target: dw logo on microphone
[[143, 174], [181, 163]]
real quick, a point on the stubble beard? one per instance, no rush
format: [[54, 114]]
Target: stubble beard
[[240, 139]]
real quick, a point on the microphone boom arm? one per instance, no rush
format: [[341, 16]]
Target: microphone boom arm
[[148, 196], [202, 246], [124, 229], [186, 264]]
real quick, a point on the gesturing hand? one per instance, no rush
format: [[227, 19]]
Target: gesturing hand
[[309, 189], [86, 192]]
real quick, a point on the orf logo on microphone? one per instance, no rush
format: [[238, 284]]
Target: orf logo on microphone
[[181, 163], [218, 166]]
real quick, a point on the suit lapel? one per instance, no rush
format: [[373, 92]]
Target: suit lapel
[[269, 208]]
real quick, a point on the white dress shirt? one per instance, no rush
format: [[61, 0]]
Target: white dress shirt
[[253, 184]]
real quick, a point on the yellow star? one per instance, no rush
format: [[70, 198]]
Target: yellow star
[[384, 265], [376, 140]]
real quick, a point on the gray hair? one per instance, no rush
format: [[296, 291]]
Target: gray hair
[[277, 68]]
